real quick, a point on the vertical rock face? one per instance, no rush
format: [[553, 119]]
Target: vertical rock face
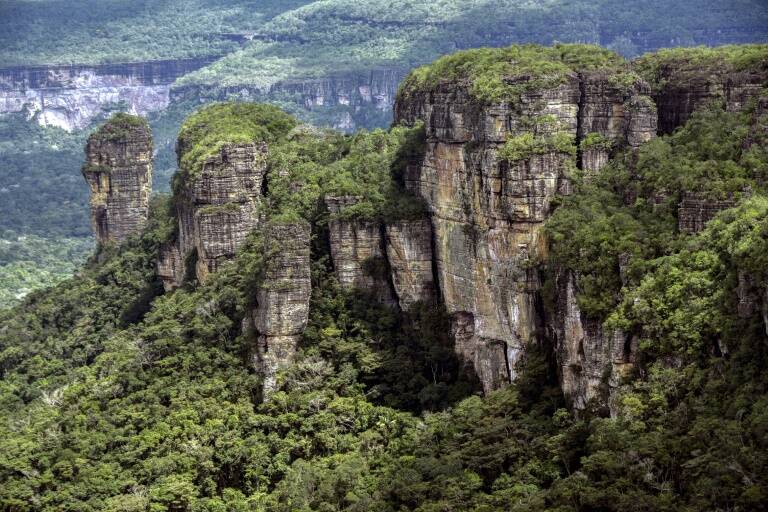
[[118, 170], [170, 266], [488, 213], [409, 252], [593, 361], [358, 251], [218, 208], [70, 97], [695, 211], [282, 300], [617, 112]]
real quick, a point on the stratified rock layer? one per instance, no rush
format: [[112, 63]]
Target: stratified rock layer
[[282, 300], [593, 362], [218, 207], [682, 90], [695, 211], [118, 170], [358, 252], [487, 215]]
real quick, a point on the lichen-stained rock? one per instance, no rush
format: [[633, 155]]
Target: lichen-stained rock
[[282, 300], [695, 211], [409, 253], [219, 206], [616, 107], [487, 214], [118, 170], [593, 362], [642, 120], [358, 252], [593, 159]]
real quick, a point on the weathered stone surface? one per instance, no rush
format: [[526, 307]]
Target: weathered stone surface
[[487, 214], [594, 159], [358, 252], [619, 112], [593, 362], [695, 211], [409, 252], [118, 170], [282, 301], [218, 208]]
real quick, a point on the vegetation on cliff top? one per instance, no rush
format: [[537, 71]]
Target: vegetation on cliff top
[[502, 74], [593, 229], [205, 132], [702, 61], [121, 125]]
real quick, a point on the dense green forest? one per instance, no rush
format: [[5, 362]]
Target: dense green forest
[[118, 397]]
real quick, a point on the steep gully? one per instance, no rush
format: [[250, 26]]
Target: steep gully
[[474, 250]]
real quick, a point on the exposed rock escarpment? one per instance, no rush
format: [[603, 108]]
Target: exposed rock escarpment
[[487, 214], [409, 253], [491, 172], [282, 300], [70, 97], [489, 204], [593, 361], [684, 85], [118, 170]]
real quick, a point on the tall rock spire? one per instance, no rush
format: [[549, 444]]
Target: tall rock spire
[[118, 170]]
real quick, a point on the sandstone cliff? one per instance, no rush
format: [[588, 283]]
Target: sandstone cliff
[[491, 172], [70, 97], [118, 170], [489, 203], [358, 252]]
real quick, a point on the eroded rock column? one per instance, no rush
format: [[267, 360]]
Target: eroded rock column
[[282, 300], [118, 170]]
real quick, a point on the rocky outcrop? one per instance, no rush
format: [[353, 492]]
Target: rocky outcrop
[[488, 208], [695, 211], [282, 300], [170, 266], [358, 251], [118, 170], [593, 362], [219, 206], [70, 97]]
